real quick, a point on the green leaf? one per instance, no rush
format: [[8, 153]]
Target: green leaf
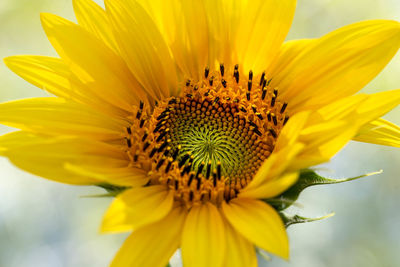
[[295, 219], [307, 178]]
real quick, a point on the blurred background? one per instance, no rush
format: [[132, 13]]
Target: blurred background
[[46, 224]]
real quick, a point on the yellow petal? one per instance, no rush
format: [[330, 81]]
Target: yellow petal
[[125, 176], [376, 105], [361, 108], [229, 32], [322, 134], [142, 47], [56, 116], [16, 139], [340, 108], [93, 63], [185, 34], [203, 237], [47, 157], [271, 188], [152, 245], [289, 51], [379, 132], [263, 28], [275, 165], [259, 223], [50, 74], [240, 251], [224, 18], [191, 42], [54, 76], [338, 64], [291, 130], [137, 207], [334, 125], [323, 143], [94, 19]]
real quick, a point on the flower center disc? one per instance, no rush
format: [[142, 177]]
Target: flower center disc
[[210, 134], [209, 142]]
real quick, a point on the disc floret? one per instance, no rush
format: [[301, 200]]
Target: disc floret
[[207, 143]]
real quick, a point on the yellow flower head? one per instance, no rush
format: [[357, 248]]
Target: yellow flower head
[[199, 112]]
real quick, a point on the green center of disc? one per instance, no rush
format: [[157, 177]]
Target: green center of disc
[[209, 137]]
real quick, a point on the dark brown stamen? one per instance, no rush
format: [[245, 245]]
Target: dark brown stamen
[[219, 170], [284, 107], [223, 83], [145, 136], [274, 119], [264, 93], [146, 145], [273, 101], [183, 160], [269, 117], [153, 151], [200, 169], [190, 178], [236, 73], [286, 120], [161, 136], [138, 114], [141, 123], [169, 165], [208, 170], [272, 131], [129, 142], [160, 163], [262, 78], [206, 72], [164, 145]]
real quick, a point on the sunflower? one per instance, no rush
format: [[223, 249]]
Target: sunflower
[[193, 113]]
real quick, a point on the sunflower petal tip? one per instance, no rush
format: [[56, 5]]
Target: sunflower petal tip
[[45, 18], [396, 23], [48, 18], [107, 228], [390, 22], [78, 4], [285, 253], [13, 61], [7, 61], [102, 229], [44, 15]]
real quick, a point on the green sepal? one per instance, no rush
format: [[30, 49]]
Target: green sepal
[[112, 190], [295, 219], [99, 195], [307, 178]]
